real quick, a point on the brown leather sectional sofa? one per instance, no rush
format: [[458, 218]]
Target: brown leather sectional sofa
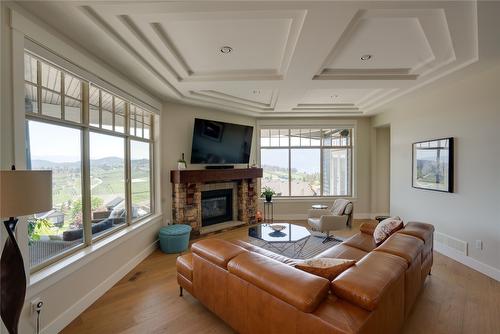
[[256, 291]]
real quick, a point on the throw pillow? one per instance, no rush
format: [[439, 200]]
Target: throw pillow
[[326, 267], [385, 228]]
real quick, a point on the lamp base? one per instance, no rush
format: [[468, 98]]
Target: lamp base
[[13, 280]]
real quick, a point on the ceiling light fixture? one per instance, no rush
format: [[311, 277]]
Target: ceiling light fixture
[[334, 96], [256, 91], [366, 57], [226, 49]]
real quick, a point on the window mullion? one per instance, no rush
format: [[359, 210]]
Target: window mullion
[[289, 172], [128, 182], [63, 98], [86, 195]]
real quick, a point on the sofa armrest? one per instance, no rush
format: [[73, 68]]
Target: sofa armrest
[[300, 289], [368, 227]]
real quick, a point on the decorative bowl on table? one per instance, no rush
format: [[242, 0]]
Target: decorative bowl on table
[[277, 227]]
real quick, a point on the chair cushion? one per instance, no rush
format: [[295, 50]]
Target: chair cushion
[[343, 251], [328, 268], [385, 228]]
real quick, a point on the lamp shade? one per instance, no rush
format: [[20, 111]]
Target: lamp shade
[[25, 192]]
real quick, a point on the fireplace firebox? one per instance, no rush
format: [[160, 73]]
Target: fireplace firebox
[[216, 206]]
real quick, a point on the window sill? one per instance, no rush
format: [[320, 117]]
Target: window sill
[[310, 199], [51, 274]]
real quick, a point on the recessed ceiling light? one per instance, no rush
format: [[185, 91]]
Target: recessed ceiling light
[[366, 57], [226, 49]]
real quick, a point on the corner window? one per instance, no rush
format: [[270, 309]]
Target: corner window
[[307, 162]]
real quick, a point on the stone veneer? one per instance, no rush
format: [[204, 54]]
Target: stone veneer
[[186, 201]]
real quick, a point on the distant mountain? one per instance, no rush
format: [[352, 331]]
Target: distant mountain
[[103, 162]]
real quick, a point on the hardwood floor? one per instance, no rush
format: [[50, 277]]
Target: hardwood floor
[[455, 300]]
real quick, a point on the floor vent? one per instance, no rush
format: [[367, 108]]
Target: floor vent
[[451, 242]]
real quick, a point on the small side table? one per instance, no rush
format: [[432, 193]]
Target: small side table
[[319, 206], [268, 212], [380, 218]]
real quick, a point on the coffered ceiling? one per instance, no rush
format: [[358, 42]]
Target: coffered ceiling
[[286, 58]]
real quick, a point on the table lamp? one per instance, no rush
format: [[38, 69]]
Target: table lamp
[[21, 193]]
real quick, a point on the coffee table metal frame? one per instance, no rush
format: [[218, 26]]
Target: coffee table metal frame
[[283, 246]]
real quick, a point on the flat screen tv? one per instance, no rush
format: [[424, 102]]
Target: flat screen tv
[[220, 143]]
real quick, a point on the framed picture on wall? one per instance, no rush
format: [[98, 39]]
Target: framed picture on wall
[[433, 165]]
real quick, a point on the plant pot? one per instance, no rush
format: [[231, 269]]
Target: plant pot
[[269, 198]]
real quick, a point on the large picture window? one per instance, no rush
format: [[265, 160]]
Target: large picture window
[[98, 146], [307, 162]]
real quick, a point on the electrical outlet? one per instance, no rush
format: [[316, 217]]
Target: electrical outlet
[[36, 305], [479, 244]]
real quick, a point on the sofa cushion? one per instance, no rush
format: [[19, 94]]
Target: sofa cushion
[[217, 251], [385, 228], [326, 267], [343, 251], [300, 289], [185, 266], [402, 245], [257, 249], [365, 283], [361, 241], [422, 231]]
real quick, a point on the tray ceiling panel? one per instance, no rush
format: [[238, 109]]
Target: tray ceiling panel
[[286, 58]]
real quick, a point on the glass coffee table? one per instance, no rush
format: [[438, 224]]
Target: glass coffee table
[[292, 235]]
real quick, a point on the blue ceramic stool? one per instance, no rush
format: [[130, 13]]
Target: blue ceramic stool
[[174, 238]]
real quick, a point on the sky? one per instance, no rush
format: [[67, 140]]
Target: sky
[[304, 160], [62, 144]]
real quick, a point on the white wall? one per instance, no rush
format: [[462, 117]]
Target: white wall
[[69, 291], [176, 138], [380, 170], [468, 110]]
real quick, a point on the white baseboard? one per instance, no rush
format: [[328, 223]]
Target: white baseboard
[[467, 261], [76, 309]]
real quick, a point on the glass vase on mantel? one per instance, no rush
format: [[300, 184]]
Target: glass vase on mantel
[[181, 163]]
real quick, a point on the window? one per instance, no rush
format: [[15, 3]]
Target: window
[[303, 162], [57, 148], [94, 142]]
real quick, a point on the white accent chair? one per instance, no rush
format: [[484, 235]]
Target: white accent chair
[[336, 218]]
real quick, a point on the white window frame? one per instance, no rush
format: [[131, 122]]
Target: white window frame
[[85, 130], [317, 124]]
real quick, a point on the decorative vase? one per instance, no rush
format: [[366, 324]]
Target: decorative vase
[[269, 198]]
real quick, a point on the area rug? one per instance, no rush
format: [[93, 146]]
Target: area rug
[[313, 247]]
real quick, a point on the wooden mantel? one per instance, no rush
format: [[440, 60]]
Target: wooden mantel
[[213, 175]]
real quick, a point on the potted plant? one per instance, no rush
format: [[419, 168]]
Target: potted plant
[[268, 194]]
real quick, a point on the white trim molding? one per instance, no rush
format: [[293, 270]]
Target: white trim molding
[[468, 261]]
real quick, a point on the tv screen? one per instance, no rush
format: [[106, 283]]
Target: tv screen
[[220, 143]]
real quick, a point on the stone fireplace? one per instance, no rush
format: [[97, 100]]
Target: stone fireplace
[[211, 200]]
